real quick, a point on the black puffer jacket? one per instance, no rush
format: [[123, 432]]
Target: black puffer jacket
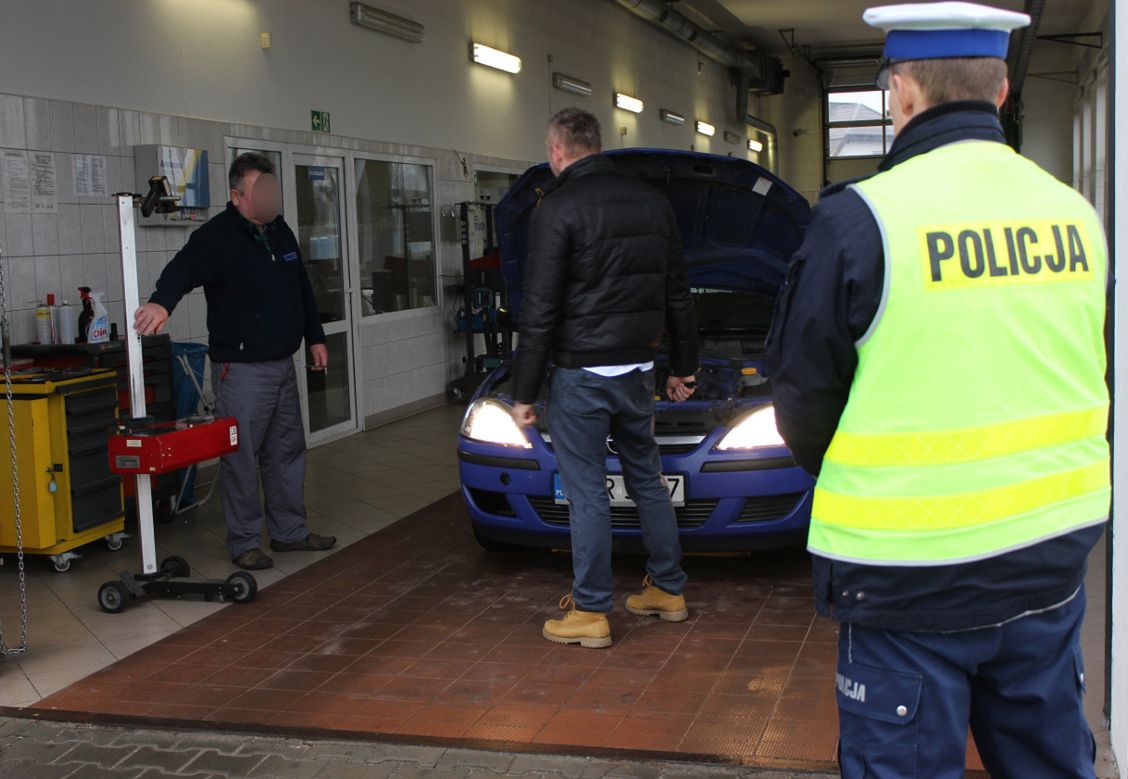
[[604, 278]]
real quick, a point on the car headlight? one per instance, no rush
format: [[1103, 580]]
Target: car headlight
[[491, 421], [756, 430]]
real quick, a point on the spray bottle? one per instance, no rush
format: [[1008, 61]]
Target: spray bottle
[[99, 332], [68, 326], [86, 316], [43, 330]]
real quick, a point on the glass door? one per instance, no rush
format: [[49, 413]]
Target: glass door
[[317, 206]]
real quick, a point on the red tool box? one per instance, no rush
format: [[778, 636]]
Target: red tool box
[[170, 446]]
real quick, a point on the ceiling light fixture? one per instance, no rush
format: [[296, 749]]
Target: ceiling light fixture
[[569, 84], [706, 129], [671, 117], [495, 58], [756, 146], [386, 22], [628, 103]]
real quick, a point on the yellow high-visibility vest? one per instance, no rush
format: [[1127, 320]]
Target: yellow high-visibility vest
[[976, 420]]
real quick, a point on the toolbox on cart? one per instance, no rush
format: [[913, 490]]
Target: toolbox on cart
[[68, 495], [160, 405]]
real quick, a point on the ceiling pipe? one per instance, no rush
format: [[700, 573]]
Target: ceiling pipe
[[707, 43], [1020, 58]]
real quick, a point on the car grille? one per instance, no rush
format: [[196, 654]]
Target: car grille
[[694, 513], [768, 507], [667, 445]]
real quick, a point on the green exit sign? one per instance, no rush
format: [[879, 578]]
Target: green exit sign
[[320, 121]]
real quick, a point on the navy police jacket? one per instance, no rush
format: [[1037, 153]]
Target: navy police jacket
[[831, 297]]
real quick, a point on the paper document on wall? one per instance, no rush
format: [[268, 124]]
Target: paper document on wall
[[16, 183], [44, 185], [89, 175]]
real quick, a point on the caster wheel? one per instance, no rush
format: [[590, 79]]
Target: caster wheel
[[176, 566], [245, 587], [113, 597], [62, 563], [114, 542]]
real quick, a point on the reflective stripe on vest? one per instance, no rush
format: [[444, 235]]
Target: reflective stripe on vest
[[977, 415]]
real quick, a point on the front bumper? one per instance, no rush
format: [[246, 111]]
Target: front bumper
[[734, 500]]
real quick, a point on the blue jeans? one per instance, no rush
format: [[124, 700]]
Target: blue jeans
[[906, 700], [583, 410]]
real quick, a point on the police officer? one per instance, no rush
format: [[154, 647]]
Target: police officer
[[938, 361]]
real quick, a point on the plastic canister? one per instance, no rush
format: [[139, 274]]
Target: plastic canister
[[99, 331]]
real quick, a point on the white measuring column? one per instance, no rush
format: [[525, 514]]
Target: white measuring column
[[127, 232]]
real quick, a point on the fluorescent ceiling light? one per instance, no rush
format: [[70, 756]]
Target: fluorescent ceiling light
[[754, 145], [569, 84], [386, 22], [672, 117], [706, 129], [628, 103], [731, 137], [493, 58]]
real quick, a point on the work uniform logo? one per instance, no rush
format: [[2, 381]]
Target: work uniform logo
[[993, 254], [855, 691]]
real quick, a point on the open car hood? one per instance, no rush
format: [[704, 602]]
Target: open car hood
[[739, 223]]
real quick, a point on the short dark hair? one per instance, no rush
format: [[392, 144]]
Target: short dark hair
[[245, 163], [577, 130], [956, 78]]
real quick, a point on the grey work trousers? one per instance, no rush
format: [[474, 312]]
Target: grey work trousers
[[263, 397]]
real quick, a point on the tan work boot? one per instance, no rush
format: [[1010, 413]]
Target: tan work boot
[[589, 629], [656, 602]]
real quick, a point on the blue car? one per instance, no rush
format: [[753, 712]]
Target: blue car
[[733, 481]]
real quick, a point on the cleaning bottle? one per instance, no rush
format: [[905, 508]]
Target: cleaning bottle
[[86, 316], [99, 332], [68, 327]]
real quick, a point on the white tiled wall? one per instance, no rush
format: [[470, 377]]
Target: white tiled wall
[[402, 358], [57, 253]]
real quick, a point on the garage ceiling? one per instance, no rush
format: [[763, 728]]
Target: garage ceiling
[[835, 27]]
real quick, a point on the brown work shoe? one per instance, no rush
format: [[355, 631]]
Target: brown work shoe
[[253, 560], [656, 602], [589, 629], [311, 543]]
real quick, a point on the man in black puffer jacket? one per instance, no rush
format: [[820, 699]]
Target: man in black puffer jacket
[[604, 278]]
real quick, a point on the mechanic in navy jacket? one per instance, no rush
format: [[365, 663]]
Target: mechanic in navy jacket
[[260, 308]]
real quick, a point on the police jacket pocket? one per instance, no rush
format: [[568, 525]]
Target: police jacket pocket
[[878, 722]]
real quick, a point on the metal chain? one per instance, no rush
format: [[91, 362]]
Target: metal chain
[[22, 647]]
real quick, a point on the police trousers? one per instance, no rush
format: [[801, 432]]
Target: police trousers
[[906, 700]]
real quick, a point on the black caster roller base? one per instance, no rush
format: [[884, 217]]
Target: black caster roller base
[[171, 581]]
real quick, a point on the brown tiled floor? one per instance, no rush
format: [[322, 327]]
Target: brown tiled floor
[[416, 632]]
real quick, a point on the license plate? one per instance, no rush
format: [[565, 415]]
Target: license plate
[[617, 490]]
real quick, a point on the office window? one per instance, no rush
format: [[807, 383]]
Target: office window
[[395, 232], [858, 124]]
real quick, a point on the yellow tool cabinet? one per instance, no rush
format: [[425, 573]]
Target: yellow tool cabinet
[[67, 494]]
